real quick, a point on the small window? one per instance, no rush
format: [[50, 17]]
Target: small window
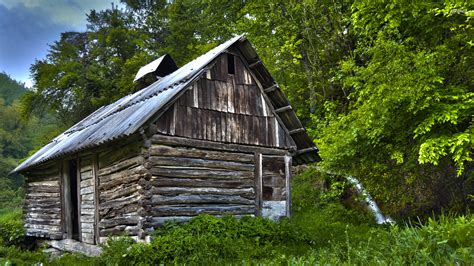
[[230, 64]]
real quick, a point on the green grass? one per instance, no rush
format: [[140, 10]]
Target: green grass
[[447, 241], [321, 231]]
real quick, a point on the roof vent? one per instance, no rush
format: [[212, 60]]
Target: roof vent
[[155, 70]]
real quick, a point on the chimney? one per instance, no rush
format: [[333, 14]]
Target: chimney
[[154, 71]]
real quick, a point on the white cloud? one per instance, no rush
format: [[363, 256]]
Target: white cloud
[[29, 83], [27, 26], [63, 12]]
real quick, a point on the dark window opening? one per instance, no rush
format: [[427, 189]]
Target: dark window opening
[[267, 193], [74, 198], [230, 64]]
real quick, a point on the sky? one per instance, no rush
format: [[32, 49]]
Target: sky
[[28, 26]]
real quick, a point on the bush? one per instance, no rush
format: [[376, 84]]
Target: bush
[[321, 231], [11, 229], [210, 240], [15, 256], [207, 238], [319, 221], [445, 241]]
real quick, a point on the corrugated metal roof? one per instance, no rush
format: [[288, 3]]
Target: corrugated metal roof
[[125, 116]]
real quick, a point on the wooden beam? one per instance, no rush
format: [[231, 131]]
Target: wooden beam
[[67, 200], [271, 88], [288, 161], [61, 200], [254, 64], [95, 173], [283, 109], [298, 130], [258, 184], [212, 145], [305, 150], [79, 197]]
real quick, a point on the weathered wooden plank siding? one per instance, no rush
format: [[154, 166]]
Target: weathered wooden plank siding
[[42, 207], [186, 182], [121, 209], [87, 190], [225, 107]]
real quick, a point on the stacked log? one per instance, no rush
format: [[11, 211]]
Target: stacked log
[[121, 209], [188, 182], [42, 208], [87, 200]]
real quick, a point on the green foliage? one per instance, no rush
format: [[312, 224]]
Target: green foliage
[[447, 241], [312, 188], [10, 89], [14, 138], [410, 121], [321, 231], [15, 256], [11, 229], [17, 138], [11, 197], [319, 222], [206, 238], [300, 43], [85, 70]]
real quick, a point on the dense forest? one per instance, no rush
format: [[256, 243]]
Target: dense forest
[[19, 136], [384, 88]]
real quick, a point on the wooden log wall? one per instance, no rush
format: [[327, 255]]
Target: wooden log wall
[[42, 207], [186, 182], [121, 170], [87, 191], [225, 107]]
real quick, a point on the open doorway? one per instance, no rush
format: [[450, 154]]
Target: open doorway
[[71, 199], [74, 199]]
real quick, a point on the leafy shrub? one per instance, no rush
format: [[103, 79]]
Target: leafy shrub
[[207, 238], [75, 259], [116, 249], [11, 229], [445, 241], [15, 256], [11, 196], [321, 231], [210, 240]]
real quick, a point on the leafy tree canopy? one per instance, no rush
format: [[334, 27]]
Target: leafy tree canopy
[[412, 99], [10, 89], [385, 88]]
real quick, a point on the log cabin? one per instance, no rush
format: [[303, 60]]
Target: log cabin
[[216, 136]]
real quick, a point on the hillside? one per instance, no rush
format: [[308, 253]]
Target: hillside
[[18, 136], [10, 89]]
